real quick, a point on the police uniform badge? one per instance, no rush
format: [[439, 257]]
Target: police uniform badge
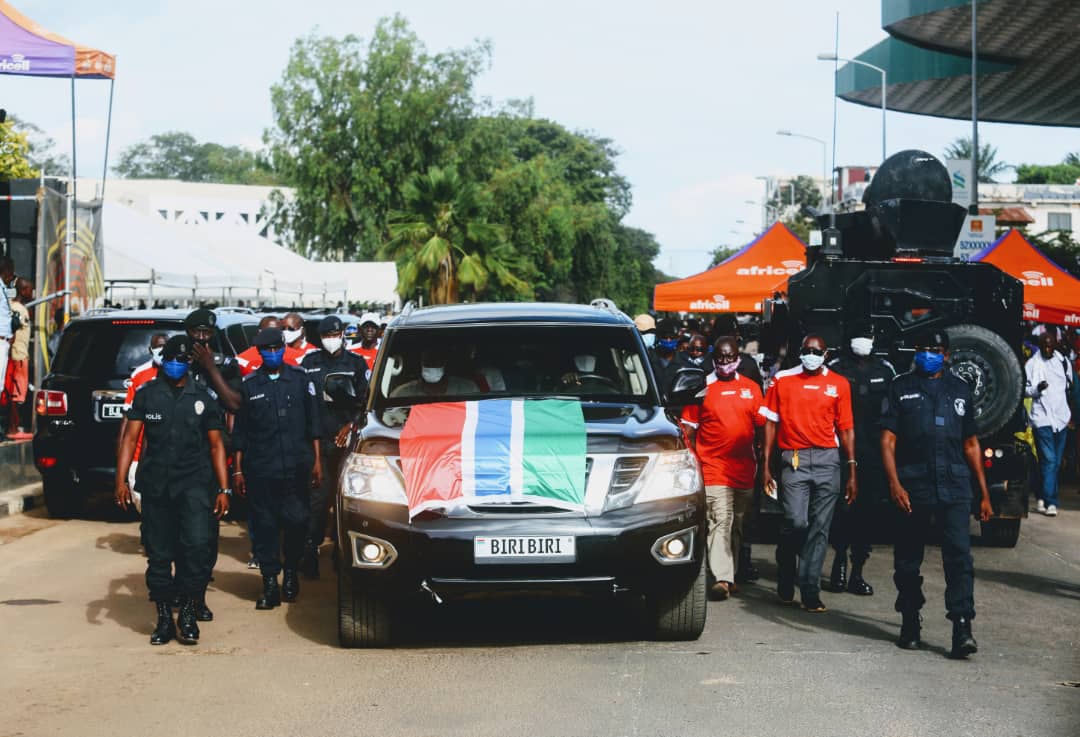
[[960, 406], [199, 407]]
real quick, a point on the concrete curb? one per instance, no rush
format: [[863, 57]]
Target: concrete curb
[[21, 500]]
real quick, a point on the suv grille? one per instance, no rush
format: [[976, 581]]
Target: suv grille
[[626, 473]]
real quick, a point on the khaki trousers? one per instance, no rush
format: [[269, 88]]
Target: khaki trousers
[[727, 507]]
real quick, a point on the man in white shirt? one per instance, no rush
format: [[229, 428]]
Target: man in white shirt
[[1049, 382], [7, 293]]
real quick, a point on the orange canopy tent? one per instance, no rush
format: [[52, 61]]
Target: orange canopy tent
[[1051, 294], [740, 283]]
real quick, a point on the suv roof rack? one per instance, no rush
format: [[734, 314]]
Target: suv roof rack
[[408, 308], [603, 303], [99, 311], [228, 309]]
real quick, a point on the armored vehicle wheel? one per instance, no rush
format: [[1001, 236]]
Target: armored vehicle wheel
[[986, 362]]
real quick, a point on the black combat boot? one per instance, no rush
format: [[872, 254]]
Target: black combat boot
[[290, 585], [857, 584], [838, 580], [186, 623], [166, 628], [202, 612], [271, 596], [311, 561], [910, 631], [963, 643]]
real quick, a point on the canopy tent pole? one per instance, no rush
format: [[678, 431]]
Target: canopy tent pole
[[69, 240], [108, 135]]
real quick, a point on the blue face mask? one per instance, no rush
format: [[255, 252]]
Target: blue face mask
[[272, 359], [929, 363], [668, 345], [174, 369]]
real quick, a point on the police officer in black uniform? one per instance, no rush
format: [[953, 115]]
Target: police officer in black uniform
[[277, 461], [931, 456], [331, 359], [182, 454], [220, 376], [852, 526]]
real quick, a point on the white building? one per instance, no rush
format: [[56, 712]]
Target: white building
[[1049, 206]]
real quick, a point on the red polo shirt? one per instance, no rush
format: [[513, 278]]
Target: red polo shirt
[[368, 353], [139, 377], [809, 409], [250, 360], [725, 424]]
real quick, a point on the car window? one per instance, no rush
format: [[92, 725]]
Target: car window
[[595, 363], [110, 349], [239, 336]]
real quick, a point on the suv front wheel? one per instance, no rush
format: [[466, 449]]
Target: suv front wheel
[[364, 617], [680, 614]]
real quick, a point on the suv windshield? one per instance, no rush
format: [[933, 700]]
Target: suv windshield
[[598, 363]]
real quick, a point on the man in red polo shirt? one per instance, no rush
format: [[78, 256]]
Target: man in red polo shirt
[[249, 360], [809, 415], [368, 346], [723, 432]]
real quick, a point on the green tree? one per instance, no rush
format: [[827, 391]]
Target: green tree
[[1067, 172], [800, 217], [444, 245], [989, 166], [722, 253], [1059, 246], [14, 153], [353, 120], [178, 155], [42, 153]]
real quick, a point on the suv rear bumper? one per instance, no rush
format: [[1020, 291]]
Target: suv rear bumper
[[614, 552]]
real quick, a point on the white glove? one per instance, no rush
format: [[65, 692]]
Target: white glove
[[136, 497]]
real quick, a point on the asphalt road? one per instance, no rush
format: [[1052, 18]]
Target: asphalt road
[[74, 658]]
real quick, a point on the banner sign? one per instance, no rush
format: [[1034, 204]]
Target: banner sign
[[976, 235], [960, 174]]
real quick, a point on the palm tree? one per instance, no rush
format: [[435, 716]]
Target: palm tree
[[989, 166], [444, 245]]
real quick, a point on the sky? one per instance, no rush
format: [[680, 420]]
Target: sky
[[692, 93]]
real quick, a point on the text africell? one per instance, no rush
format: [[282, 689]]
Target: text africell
[[768, 271]]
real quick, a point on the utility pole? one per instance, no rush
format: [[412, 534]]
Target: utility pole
[[974, 209]]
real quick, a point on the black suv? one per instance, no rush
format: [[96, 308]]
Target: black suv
[[641, 527], [80, 402]]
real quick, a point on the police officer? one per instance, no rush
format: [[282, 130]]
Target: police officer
[[332, 359], [931, 455], [870, 378], [276, 438], [220, 376], [182, 454]]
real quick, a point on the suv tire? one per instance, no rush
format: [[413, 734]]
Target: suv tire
[[991, 368], [680, 614], [62, 496], [363, 616], [1000, 533]]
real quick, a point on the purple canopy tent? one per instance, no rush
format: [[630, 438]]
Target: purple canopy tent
[[27, 49]]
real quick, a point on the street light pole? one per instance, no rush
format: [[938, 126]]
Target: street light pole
[[826, 190], [827, 56]]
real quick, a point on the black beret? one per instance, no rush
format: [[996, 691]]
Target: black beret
[[330, 324], [178, 345], [268, 337], [932, 339], [200, 318]]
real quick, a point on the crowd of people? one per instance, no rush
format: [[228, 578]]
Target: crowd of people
[[844, 443]]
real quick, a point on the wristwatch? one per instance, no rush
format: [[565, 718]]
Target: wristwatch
[[226, 492]]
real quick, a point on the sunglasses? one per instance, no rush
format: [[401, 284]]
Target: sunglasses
[[696, 349], [933, 349], [812, 351]]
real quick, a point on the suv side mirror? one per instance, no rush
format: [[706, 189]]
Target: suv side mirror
[[685, 387], [340, 388]]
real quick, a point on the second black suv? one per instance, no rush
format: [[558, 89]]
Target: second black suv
[[79, 404]]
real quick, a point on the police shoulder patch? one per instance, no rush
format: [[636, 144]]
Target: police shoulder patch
[[311, 388]]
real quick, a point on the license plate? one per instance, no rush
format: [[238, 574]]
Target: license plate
[[525, 549], [112, 411]]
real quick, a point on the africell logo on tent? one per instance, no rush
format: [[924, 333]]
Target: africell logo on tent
[[17, 63], [787, 268], [1038, 279], [718, 302], [1031, 312]]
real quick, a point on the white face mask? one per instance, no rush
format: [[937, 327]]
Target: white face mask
[[432, 374], [155, 355], [862, 346], [291, 336], [586, 364], [810, 362], [332, 345], [649, 339]]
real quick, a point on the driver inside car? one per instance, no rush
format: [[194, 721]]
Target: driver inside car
[[584, 379], [434, 380]]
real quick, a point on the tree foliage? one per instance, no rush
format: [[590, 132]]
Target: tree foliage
[[989, 166], [1067, 172], [41, 153], [178, 155], [376, 137], [798, 217], [14, 153], [722, 253]]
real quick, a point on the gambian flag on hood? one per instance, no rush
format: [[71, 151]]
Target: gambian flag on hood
[[496, 450]]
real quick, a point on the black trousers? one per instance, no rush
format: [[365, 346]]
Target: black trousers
[[912, 532], [322, 496], [175, 533], [853, 526], [280, 511]]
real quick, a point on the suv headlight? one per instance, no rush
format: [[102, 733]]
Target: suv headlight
[[371, 477], [670, 474]]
